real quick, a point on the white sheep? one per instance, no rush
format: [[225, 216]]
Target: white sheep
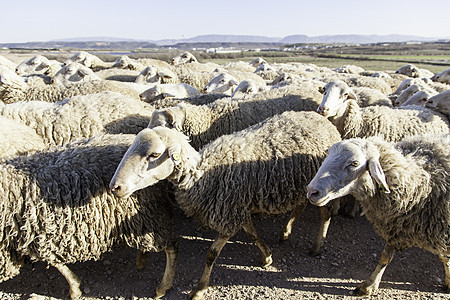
[[415, 72], [81, 116], [196, 74], [392, 124], [7, 63], [72, 73], [419, 98], [56, 207], [17, 138], [152, 74], [440, 103], [247, 87], [403, 189], [412, 90], [257, 62], [38, 65], [168, 90], [184, 58], [266, 72], [443, 77], [223, 83], [349, 69], [89, 60], [338, 89], [125, 62], [261, 169], [123, 75]]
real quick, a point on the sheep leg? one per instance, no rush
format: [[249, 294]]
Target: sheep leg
[[169, 273], [141, 260], [446, 261], [211, 256], [250, 230], [325, 218], [298, 209], [371, 285], [72, 279]]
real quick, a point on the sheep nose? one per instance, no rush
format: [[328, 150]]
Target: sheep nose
[[322, 110], [114, 187], [17, 71], [205, 90], [312, 193]]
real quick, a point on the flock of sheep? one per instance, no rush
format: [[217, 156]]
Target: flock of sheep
[[94, 154]]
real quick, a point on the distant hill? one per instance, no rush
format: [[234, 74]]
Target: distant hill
[[211, 39]]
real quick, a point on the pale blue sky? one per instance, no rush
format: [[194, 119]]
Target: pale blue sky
[[43, 20]]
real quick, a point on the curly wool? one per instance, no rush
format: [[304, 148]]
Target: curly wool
[[392, 124], [55, 93], [81, 116], [417, 210], [204, 123], [264, 168], [56, 206]]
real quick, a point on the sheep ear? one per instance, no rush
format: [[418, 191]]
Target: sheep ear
[[174, 154], [321, 89], [164, 75], [233, 82], [352, 95], [170, 118], [168, 95], [377, 173]]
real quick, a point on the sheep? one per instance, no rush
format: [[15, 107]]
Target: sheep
[[56, 207], [239, 66], [419, 98], [223, 83], [123, 75], [284, 79], [443, 77], [403, 189], [261, 169], [257, 62], [74, 72], [381, 74], [11, 92], [338, 89], [88, 60], [184, 58], [354, 80], [415, 72], [440, 103], [169, 90], [392, 124], [81, 116], [124, 62], [17, 138], [7, 63], [412, 90], [196, 100], [349, 69], [38, 65], [204, 123], [247, 87], [152, 75], [196, 74], [266, 72]]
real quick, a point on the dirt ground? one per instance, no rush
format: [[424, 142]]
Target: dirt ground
[[351, 253]]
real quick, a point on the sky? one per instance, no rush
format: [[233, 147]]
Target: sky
[[45, 20]]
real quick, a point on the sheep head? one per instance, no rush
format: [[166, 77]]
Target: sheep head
[[172, 117], [335, 93], [349, 165]]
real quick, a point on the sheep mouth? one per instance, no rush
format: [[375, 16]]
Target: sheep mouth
[[321, 201]]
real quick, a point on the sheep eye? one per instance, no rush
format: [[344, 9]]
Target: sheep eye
[[153, 156], [354, 163]]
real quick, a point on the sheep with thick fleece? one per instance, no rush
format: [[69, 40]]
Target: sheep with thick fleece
[[443, 77], [125, 62], [415, 72], [56, 207], [338, 89], [81, 116], [72, 73], [38, 65], [403, 189], [223, 83], [17, 138], [123, 75], [11, 92], [261, 169], [440, 103], [266, 72], [354, 80], [411, 91], [153, 74], [89, 60], [246, 88], [349, 69], [204, 123], [257, 62], [392, 124], [168, 90], [184, 58], [419, 98], [196, 74]]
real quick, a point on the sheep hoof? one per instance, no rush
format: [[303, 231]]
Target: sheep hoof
[[362, 290], [284, 237], [197, 294], [316, 250], [267, 261]]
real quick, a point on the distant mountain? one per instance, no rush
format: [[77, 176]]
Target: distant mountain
[[214, 40]]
